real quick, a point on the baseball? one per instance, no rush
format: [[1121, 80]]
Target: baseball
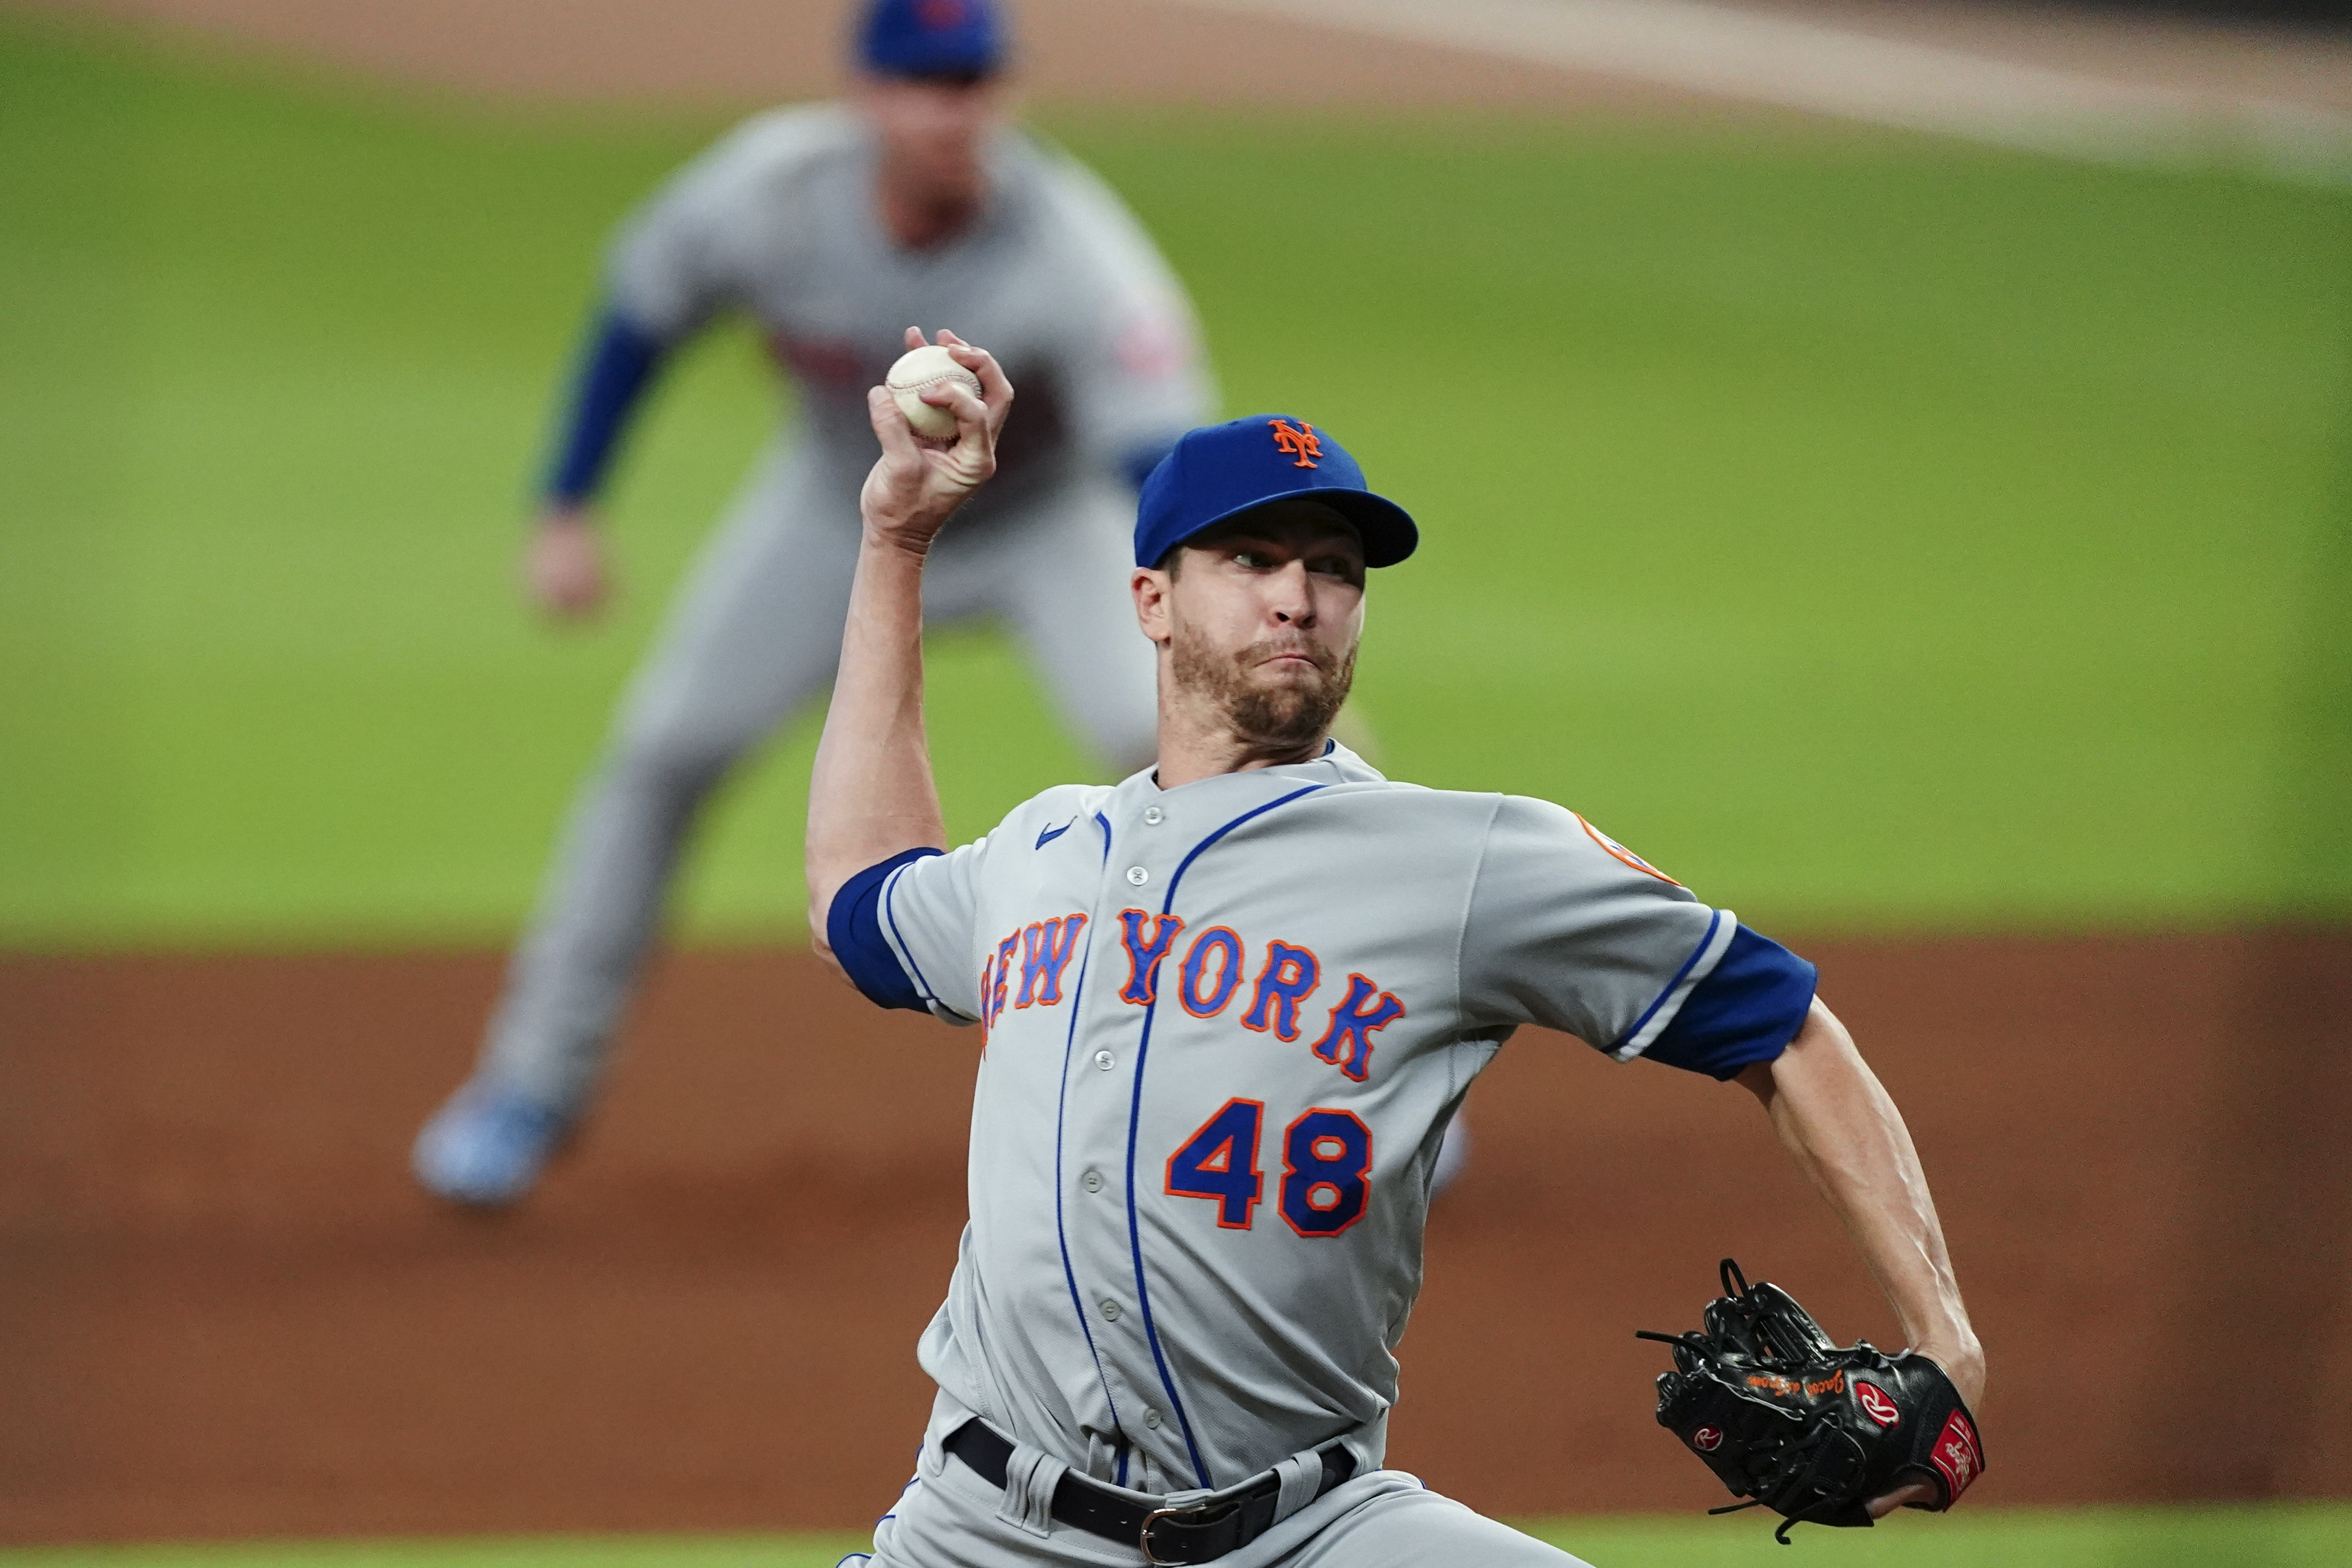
[[916, 370]]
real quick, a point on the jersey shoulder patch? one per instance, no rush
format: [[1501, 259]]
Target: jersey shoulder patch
[[1618, 852], [1530, 826]]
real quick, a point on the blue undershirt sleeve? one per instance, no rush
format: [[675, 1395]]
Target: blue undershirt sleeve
[[1745, 1011], [617, 364], [853, 929]]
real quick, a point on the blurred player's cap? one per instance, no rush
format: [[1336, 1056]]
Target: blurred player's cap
[[1220, 471], [932, 37]]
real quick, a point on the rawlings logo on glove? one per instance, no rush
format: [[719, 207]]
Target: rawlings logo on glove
[[1807, 1428]]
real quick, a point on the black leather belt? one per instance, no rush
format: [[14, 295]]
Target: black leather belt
[[1194, 1532]]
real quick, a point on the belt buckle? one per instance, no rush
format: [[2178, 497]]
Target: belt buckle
[[1195, 1505]]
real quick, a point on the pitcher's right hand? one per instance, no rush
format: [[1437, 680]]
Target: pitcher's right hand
[[914, 488]]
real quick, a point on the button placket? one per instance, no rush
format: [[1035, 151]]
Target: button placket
[[1091, 1131], [1132, 872]]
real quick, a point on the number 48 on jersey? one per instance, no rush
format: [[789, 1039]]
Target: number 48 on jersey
[[1325, 1157]]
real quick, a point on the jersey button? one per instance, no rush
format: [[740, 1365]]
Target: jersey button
[[1154, 816], [1104, 1060], [1110, 1311], [1137, 876], [1151, 1419], [1092, 1181]]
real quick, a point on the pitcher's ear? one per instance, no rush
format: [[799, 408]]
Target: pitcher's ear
[[1149, 587]]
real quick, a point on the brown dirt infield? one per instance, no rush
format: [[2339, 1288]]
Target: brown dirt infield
[[1165, 52], [224, 1312]]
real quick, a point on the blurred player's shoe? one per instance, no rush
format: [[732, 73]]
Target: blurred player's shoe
[[487, 1145]]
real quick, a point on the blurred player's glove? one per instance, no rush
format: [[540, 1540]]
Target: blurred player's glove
[[1810, 1429]]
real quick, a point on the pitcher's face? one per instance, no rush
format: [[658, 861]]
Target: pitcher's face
[[1260, 619], [935, 132]]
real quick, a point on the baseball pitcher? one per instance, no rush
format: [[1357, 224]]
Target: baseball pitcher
[[1226, 1009], [832, 227]]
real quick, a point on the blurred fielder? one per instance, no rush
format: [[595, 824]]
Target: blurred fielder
[[835, 227]]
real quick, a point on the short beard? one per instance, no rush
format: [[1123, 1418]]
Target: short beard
[[1284, 718]]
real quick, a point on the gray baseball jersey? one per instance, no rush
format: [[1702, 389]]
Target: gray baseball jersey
[[779, 219], [1224, 1027]]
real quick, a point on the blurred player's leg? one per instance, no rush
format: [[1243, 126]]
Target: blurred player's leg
[[754, 634]]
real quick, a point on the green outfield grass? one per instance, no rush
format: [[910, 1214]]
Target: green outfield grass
[[1874, 533], [2282, 1536]]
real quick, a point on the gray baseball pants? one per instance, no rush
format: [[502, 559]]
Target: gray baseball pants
[[751, 641], [950, 1518]]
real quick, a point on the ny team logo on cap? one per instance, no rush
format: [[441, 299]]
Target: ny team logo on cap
[[1293, 442]]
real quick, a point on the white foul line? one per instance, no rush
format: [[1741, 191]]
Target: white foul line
[[1811, 66]]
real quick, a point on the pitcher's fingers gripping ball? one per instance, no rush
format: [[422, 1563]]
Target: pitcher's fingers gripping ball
[[918, 371]]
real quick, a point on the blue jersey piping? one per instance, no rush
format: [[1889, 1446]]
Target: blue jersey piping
[[890, 913], [1061, 1230], [1714, 918], [1134, 1119]]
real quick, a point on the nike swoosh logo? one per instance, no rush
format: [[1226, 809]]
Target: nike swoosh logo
[[1052, 833]]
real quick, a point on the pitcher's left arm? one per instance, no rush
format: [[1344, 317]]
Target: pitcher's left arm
[[1842, 1129]]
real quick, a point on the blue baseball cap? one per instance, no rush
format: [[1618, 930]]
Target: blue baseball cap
[[1220, 471], [932, 37]]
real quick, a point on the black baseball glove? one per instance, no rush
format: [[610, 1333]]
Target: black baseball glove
[[1810, 1429]]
